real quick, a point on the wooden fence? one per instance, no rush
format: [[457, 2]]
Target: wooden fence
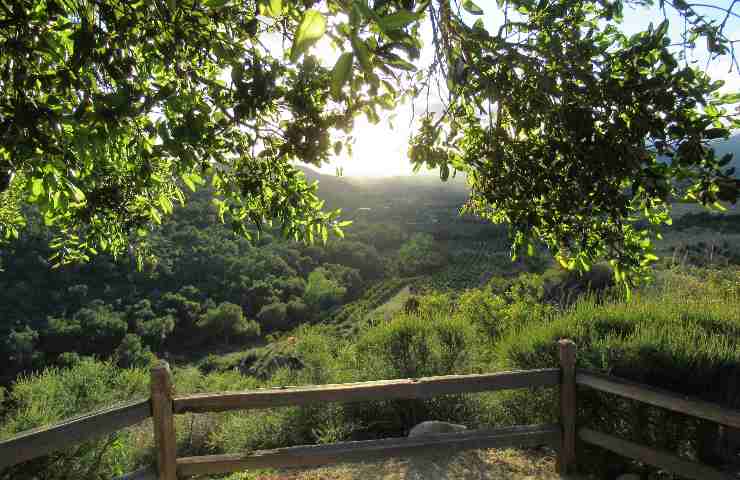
[[163, 405]]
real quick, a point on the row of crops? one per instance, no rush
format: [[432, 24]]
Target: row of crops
[[471, 264], [350, 315]]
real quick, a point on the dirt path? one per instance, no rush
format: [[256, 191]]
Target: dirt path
[[472, 465]]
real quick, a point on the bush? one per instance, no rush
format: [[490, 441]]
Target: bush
[[679, 335], [298, 312], [20, 347], [564, 287], [412, 346], [275, 317], [420, 255], [93, 329], [322, 291], [132, 353], [227, 321], [57, 394]]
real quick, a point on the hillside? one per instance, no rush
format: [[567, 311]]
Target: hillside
[[413, 290], [352, 193]]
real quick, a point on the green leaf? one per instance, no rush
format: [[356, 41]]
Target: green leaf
[[398, 20], [77, 193], [271, 8], [365, 12], [341, 73], [662, 29], [730, 98], [37, 187], [472, 8], [189, 182], [215, 4], [311, 29], [362, 53], [154, 213], [399, 62]]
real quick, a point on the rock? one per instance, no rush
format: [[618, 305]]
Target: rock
[[629, 476], [433, 426]]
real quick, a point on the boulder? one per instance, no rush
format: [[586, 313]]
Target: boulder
[[434, 427]]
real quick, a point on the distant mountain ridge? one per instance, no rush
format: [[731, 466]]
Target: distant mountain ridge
[[349, 193]]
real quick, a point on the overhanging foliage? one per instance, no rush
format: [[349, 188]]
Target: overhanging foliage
[[109, 108]]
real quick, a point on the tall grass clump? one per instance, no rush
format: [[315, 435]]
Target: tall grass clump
[[58, 394], [681, 334]]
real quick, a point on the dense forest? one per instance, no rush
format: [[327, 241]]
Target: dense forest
[[205, 286]]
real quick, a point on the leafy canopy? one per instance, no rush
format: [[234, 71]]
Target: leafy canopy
[[109, 110]]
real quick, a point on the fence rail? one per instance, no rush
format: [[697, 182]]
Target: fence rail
[[366, 391], [40, 441], [657, 458], [163, 405], [317, 455], [659, 398]]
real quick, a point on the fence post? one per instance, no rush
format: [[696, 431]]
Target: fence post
[[566, 459], [165, 441]]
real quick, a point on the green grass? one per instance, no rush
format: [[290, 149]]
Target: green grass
[[680, 333]]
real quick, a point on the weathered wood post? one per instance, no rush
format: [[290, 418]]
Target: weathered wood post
[[566, 459], [164, 423]]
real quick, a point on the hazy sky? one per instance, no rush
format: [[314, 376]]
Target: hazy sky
[[380, 150]]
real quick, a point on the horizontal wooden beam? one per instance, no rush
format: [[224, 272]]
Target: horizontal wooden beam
[[657, 458], [317, 455], [366, 391], [146, 473], [660, 398], [40, 441]]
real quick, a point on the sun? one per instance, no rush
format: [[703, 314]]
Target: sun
[[380, 150]]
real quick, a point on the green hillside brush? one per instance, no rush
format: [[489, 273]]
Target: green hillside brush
[[681, 334], [58, 394]]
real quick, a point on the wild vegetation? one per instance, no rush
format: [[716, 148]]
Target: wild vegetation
[[136, 138], [229, 315]]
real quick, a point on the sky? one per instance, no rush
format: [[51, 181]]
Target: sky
[[380, 150]]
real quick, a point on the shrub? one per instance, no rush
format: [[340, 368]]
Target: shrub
[[322, 291], [420, 255], [274, 317], [155, 330], [227, 321], [298, 311], [93, 329], [132, 353], [61, 393], [412, 346], [679, 335], [20, 347]]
